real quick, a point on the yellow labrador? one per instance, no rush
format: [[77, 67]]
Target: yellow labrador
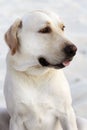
[[36, 91]]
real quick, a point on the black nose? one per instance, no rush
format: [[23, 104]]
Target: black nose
[[70, 50]]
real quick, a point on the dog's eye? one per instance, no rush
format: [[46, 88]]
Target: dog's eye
[[62, 28], [45, 30]]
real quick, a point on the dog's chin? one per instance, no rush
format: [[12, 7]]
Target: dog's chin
[[43, 62]]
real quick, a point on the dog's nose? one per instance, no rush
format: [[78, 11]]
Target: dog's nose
[[70, 50]]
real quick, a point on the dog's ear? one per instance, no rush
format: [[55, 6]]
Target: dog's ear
[[11, 36]]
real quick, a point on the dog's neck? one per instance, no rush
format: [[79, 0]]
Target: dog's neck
[[38, 71]]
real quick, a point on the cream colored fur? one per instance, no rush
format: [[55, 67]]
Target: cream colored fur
[[37, 97]]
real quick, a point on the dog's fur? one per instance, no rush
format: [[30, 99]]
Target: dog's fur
[[38, 95], [5, 119]]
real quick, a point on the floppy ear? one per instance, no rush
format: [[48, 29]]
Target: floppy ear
[[11, 37]]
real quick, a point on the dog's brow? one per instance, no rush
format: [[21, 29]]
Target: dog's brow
[[61, 24], [48, 23], [45, 23]]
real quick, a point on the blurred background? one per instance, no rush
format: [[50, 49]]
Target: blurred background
[[74, 15]]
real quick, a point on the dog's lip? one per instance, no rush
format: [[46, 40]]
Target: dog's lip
[[66, 62], [63, 64]]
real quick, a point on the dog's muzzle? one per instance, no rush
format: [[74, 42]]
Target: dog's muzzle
[[45, 63], [69, 50]]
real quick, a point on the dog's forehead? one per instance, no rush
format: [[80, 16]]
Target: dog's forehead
[[38, 18]]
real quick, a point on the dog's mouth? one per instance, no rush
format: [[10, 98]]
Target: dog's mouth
[[61, 65]]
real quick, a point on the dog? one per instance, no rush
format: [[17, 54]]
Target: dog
[[36, 91]]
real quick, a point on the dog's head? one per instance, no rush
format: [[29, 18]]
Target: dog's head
[[39, 38]]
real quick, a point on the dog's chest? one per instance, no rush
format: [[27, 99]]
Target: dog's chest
[[44, 98], [41, 105]]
